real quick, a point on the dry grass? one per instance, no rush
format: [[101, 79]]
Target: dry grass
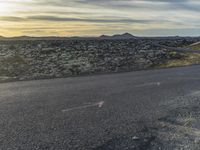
[[195, 46], [185, 60]]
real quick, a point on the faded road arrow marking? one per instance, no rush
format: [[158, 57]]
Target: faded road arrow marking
[[98, 104], [148, 84]]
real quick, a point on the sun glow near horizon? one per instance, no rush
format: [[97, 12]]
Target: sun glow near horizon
[[92, 17], [5, 7]]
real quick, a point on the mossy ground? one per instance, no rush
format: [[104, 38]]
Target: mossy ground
[[180, 59], [12, 67], [15, 66]]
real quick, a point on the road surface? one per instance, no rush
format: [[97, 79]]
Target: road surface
[[157, 109]]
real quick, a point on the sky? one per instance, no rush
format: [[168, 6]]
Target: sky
[[97, 17]]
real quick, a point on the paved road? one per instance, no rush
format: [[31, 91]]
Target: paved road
[[156, 109]]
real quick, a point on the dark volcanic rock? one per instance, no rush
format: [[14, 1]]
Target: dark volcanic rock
[[31, 59]]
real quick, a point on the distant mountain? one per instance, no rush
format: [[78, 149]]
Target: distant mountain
[[1, 37], [119, 36], [116, 36], [104, 36]]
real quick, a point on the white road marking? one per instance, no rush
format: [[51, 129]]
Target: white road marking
[[149, 84], [158, 83], [98, 104]]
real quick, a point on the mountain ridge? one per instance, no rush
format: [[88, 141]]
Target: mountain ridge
[[101, 37], [115, 36], [118, 36]]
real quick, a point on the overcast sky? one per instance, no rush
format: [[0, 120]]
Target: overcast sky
[[96, 17]]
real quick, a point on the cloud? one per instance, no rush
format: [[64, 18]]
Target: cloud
[[103, 15], [65, 19], [190, 5], [12, 18]]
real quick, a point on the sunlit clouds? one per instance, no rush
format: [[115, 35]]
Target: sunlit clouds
[[96, 17]]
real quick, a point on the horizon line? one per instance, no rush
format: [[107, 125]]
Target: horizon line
[[95, 36]]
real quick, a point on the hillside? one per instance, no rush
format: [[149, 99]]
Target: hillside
[[195, 46], [35, 59], [47, 58], [119, 36]]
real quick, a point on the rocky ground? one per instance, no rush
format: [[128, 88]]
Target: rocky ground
[[178, 129], [35, 59]]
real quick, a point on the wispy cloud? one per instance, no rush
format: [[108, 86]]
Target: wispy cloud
[[86, 17]]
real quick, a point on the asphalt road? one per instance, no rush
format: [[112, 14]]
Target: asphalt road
[[157, 109]]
